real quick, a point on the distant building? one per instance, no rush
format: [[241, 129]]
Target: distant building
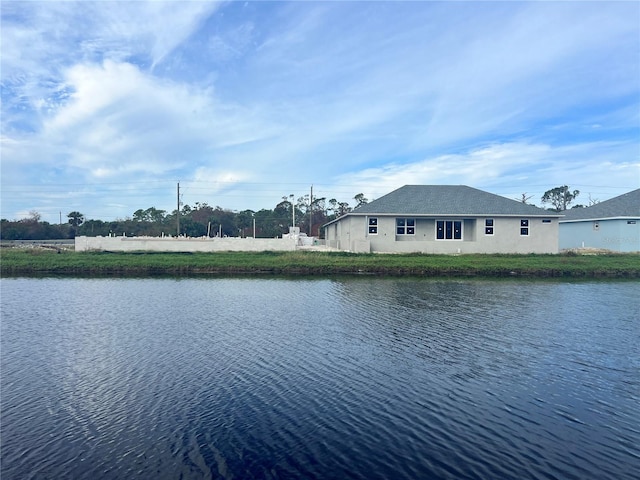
[[445, 219], [612, 225]]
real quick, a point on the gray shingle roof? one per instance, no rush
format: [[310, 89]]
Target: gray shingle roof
[[452, 200], [627, 205]]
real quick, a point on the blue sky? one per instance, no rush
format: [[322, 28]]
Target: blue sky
[[106, 106]]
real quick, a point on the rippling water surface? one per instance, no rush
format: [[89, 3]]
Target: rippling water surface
[[355, 378]]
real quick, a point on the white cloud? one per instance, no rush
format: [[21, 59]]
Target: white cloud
[[510, 169], [354, 97], [42, 40], [170, 23], [119, 116]]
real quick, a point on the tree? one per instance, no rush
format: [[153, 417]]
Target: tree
[[560, 197], [139, 215], [287, 208], [244, 222], [343, 209], [151, 214], [195, 221], [360, 199], [203, 214], [332, 208], [75, 219], [318, 215], [34, 216], [94, 227], [525, 198], [303, 203]]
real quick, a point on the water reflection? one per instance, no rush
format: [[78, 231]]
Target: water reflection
[[344, 378]]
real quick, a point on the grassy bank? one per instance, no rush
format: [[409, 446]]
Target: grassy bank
[[47, 261]]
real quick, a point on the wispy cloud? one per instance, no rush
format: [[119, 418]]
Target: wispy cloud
[[512, 168], [351, 96]]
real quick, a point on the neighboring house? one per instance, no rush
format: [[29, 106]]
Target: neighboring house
[[613, 225], [445, 219]]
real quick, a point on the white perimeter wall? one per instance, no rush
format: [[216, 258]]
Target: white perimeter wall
[[169, 244]]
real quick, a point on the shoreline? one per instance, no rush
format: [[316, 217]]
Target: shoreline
[[52, 262]]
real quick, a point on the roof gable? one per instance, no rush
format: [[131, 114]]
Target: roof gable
[[626, 205], [455, 200]]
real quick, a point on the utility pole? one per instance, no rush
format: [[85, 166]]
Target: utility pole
[[178, 210], [311, 212]]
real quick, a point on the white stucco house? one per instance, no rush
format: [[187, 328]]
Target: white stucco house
[[612, 225], [444, 219]]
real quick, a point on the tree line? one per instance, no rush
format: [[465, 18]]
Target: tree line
[[195, 220], [202, 219]]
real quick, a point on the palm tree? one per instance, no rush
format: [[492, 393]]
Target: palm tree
[[76, 218]]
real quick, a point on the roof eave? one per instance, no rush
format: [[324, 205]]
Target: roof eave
[[465, 215], [445, 215], [599, 219]]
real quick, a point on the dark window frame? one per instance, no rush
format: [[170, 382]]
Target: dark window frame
[[373, 226], [405, 226], [488, 226], [449, 230]]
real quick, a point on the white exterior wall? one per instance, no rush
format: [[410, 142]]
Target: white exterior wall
[[542, 238], [339, 236], [352, 232], [169, 244], [620, 235]]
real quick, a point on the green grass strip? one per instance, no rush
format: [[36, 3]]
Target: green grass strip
[[14, 261]]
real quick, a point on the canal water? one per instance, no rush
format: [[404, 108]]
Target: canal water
[[358, 378]]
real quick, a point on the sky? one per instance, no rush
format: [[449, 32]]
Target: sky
[[107, 106]]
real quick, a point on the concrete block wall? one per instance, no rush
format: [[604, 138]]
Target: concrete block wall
[[183, 244]]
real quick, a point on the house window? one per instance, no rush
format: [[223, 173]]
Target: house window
[[449, 230], [488, 226], [631, 222], [524, 227], [546, 220], [405, 226], [373, 226]]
